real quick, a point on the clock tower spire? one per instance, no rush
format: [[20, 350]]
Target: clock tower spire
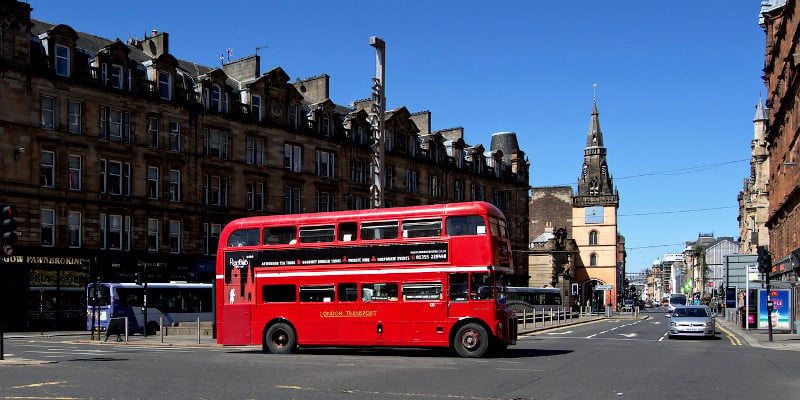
[[595, 185]]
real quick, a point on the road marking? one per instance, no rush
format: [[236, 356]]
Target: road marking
[[520, 370], [731, 337], [627, 335], [663, 336], [33, 385], [375, 393], [559, 333]]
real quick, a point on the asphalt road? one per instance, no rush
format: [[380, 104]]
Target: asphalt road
[[608, 359]]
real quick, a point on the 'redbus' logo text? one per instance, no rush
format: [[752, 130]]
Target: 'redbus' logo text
[[240, 263]]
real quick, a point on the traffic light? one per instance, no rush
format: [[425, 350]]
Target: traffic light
[[139, 278], [575, 289], [8, 225], [764, 260]]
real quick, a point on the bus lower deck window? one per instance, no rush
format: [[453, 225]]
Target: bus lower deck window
[[379, 292], [348, 292], [422, 291], [279, 293], [317, 294]]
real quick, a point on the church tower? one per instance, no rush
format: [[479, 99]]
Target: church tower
[[594, 224], [754, 197]]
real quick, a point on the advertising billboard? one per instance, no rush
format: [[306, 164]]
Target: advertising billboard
[[781, 309]]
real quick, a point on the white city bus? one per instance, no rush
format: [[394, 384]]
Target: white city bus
[[675, 300], [174, 301]]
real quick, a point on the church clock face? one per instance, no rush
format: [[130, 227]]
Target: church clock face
[[593, 215]]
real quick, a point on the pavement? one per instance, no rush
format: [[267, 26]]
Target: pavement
[[781, 340]]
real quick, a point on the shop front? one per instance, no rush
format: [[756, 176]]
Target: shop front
[[45, 289]]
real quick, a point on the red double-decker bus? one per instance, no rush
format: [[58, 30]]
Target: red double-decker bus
[[425, 276]]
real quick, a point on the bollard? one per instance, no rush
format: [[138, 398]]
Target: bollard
[[198, 330], [551, 316], [524, 319], [534, 318], [161, 328]]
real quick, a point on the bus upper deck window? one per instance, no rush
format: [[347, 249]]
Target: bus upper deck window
[[465, 225], [498, 228], [280, 235], [379, 230], [317, 234], [422, 228], [348, 231], [243, 237]]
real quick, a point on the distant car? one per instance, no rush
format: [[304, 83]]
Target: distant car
[[628, 303], [691, 321]]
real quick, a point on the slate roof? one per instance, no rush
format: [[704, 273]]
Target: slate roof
[[91, 44]]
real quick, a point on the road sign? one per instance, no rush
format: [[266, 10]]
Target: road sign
[[604, 287], [8, 250]]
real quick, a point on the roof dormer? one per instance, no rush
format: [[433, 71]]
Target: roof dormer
[[59, 42]]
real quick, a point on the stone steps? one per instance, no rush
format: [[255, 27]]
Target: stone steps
[[189, 328]]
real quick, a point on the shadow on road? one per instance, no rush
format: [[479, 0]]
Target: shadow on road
[[527, 353], [409, 352]]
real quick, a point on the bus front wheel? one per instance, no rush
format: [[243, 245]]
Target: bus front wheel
[[280, 338], [471, 341], [152, 327]]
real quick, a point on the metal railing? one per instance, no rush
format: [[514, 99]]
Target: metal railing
[[547, 317]]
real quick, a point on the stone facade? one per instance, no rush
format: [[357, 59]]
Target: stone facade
[[120, 155], [550, 207], [754, 197]]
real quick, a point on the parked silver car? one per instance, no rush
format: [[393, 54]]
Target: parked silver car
[[691, 321]]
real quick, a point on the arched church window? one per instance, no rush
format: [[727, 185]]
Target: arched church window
[[593, 237]]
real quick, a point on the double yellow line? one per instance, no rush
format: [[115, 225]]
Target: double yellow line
[[731, 336]]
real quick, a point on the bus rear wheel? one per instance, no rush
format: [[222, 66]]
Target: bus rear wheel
[[280, 338], [471, 341]]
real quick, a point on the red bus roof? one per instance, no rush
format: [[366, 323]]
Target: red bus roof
[[378, 214]]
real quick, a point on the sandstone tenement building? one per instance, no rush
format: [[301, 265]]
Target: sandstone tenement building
[[121, 157]]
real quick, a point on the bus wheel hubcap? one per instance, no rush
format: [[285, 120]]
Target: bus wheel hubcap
[[280, 339], [470, 340]]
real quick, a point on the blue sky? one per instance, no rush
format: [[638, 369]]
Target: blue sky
[[677, 82]]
